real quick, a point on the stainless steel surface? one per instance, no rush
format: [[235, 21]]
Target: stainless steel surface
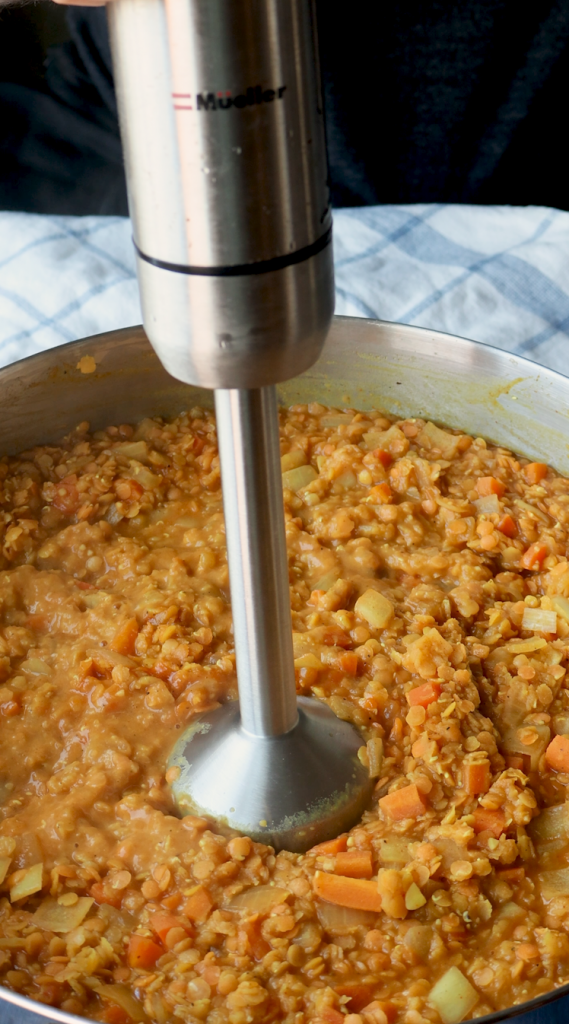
[[294, 778], [222, 128], [405, 370], [289, 790], [248, 435]]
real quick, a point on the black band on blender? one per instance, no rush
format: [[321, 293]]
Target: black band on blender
[[244, 269]]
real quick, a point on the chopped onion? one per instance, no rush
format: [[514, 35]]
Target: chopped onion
[[187, 522], [123, 997], [259, 899], [26, 882], [433, 437], [308, 661], [327, 581], [112, 658], [535, 643], [296, 479], [539, 620], [292, 460], [342, 919], [453, 996], [561, 605], [487, 505], [35, 665], [132, 450], [346, 480], [375, 756], [4, 865], [143, 476], [51, 916]]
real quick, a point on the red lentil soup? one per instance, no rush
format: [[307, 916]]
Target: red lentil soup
[[430, 602]]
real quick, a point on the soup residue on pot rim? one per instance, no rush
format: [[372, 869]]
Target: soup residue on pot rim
[[430, 602]]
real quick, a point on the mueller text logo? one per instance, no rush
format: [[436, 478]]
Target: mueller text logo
[[224, 100]]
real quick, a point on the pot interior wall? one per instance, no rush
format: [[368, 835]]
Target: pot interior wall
[[366, 364]]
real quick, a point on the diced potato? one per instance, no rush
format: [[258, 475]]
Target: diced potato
[[433, 437], [4, 865], [418, 938], [554, 883], [414, 897], [292, 460], [51, 916], [346, 480], [539, 620], [561, 605], [394, 851], [301, 476], [453, 996], [488, 505], [260, 899], [308, 661], [376, 609], [552, 823], [26, 882]]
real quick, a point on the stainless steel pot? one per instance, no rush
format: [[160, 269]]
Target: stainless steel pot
[[366, 364]]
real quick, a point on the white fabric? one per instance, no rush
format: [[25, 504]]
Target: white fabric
[[497, 274]]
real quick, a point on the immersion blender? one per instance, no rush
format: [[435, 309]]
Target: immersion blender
[[222, 128]]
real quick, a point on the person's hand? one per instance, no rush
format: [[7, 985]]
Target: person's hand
[[81, 3]]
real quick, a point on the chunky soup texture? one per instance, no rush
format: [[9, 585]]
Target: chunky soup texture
[[430, 600]]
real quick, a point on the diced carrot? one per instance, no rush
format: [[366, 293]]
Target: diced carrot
[[143, 952], [557, 754], [386, 458], [514, 761], [113, 1014], [534, 555], [512, 874], [389, 1009], [348, 662], [403, 803], [331, 846], [423, 695], [161, 923], [315, 596], [172, 902], [359, 995], [534, 472], [198, 906], [259, 946], [476, 777], [66, 498], [489, 821], [102, 894], [507, 526], [381, 494], [489, 485], [358, 893], [124, 638], [354, 864], [330, 1016]]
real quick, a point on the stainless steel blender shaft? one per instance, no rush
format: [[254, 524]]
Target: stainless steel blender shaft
[[247, 428]]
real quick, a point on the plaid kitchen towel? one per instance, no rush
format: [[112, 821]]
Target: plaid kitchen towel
[[498, 274]]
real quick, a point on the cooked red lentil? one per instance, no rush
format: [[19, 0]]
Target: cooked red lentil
[[430, 595]]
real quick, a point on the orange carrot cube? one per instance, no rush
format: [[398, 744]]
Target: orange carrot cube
[[408, 802]]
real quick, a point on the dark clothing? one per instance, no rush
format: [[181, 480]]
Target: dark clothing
[[426, 101]]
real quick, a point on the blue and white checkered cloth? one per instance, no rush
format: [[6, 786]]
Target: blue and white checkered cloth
[[497, 274]]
